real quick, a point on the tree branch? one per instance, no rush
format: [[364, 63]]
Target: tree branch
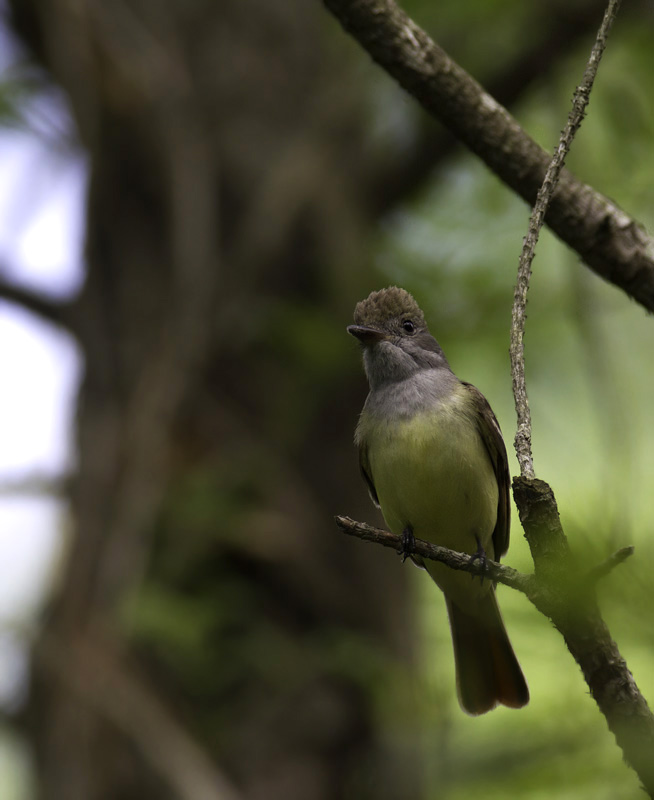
[[571, 604], [615, 247], [460, 561], [536, 220], [563, 27], [608, 565], [611, 243], [35, 484], [56, 312], [568, 600]]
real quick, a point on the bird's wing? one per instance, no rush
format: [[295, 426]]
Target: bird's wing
[[489, 430], [367, 474]]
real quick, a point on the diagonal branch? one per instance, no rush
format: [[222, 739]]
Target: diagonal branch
[[609, 564], [395, 179], [615, 247], [35, 484], [567, 598], [459, 561], [611, 243], [572, 605], [56, 312]]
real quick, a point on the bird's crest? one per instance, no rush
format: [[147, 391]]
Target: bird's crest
[[385, 304]]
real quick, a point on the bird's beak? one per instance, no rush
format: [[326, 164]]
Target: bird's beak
[[366, 335]]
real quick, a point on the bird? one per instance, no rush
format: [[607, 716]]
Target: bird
[[432, 455]]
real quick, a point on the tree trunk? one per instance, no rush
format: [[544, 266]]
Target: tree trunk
[[206, 625]]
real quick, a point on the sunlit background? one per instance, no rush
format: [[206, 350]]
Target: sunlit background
[[42, 184], [590, 373]]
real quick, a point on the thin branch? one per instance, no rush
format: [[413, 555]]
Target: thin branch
[[616, 248], [460, 561], [35, 484], [571, 604], [537, 218], [566, 597], [611, 243], [498, 573], [607, 566], [56, 312]]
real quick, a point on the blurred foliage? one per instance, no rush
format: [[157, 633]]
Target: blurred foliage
[[590, 381], [16, 776]]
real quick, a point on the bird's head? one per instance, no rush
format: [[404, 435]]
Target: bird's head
[[395, 338]]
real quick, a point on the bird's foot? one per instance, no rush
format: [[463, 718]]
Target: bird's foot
[[408, 543], [479, 555]]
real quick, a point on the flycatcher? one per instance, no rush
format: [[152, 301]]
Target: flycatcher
[[432, 454]]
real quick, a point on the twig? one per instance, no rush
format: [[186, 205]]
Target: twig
[[35, 484], [445, 90], [529, 585], [56, 312], [536, 220], [568, 601], [460, 561], [611, 243], [607, 566]]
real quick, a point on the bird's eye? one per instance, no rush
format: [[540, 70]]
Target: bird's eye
[[408, 326]]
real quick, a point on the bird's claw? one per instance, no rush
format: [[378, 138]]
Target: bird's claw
[[479, 555], [408, 543]]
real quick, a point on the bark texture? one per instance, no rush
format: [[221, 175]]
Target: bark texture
[[212, 638]]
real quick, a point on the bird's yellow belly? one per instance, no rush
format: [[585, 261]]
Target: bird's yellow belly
[[432, 473]]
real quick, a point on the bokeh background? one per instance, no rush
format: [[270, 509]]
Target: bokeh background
[[193, 196]]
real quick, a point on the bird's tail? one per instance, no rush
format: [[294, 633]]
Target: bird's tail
[[487, 670]]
